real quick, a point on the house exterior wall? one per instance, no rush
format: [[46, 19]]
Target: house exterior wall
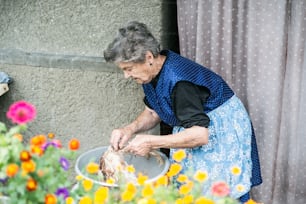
[[53, 50]]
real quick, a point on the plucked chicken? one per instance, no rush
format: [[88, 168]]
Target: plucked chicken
[[113, 166]]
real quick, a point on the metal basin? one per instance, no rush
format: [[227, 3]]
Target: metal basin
[[147, 166]]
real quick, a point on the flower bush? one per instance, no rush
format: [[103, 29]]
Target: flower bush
[[34, 171], [174, 187]]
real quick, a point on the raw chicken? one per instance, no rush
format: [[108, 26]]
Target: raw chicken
[[113, 165]]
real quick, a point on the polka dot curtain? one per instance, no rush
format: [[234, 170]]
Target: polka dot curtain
[[258, 46]]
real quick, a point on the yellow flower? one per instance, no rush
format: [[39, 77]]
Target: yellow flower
[[188, 199], [92, 168], [146, 201], [182, 178], [130, 168], [101, 195], [69, 200], [147, 191], [236, 170], [162, 181], [201, 176], [203, 200], [179, 155], [142, 179], [175, 168], [250, 202], [87, 184], [127, 196], [179, 201], [131, 188], [110, 181], [85, 200], [240, 187], [79, 177], [186, 188]]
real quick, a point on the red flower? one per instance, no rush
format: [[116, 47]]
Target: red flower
[[220, 189], [74, 144], [21, 112]]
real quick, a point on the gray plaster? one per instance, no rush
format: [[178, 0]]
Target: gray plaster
[[53, 51]]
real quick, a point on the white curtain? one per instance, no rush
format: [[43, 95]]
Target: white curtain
[[259, 48]]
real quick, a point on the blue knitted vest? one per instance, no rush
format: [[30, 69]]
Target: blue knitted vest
[[177, 68]]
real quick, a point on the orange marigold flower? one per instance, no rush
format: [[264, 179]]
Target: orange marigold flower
[[31, 185], [50, 199], [25, 155], [11, 170], [51, 135], [28, 166], [179, 155], [18, 136], [175, 168], [37, 150], [38, 140], [200, 176], [74, 144], [92, 168]]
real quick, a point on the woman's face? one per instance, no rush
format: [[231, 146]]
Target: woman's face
[[140, 72]]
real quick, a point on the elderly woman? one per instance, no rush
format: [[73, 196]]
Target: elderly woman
[[208, 119]]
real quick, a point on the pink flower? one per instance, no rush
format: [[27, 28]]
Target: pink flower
[[220, 189], [21, 112]]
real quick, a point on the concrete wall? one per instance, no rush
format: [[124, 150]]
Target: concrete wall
[[53, 51]]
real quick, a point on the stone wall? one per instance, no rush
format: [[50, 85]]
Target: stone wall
[[53, 51]]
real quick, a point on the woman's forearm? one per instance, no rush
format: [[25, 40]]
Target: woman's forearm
[[189, 138], [147, 120]]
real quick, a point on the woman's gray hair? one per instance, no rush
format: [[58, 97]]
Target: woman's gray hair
[[131, 44]]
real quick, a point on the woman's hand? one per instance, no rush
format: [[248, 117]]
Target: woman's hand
[[140, 145], [119, 138], [145, 121]]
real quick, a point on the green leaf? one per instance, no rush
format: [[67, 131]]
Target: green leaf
[[2, 128]]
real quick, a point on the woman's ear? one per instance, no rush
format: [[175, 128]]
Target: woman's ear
[[149, 57]]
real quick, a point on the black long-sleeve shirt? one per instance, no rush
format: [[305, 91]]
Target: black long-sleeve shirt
[[188, 99]]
